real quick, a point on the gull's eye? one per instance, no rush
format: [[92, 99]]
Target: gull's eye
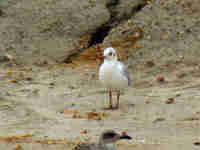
[[110, 54]]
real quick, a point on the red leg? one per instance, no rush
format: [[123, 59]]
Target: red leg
[[118, 95], [110, 98]]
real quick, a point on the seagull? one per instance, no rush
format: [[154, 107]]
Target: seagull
[[106, 141], [113, 74]]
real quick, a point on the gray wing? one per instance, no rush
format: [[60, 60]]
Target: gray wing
[[125, 72]]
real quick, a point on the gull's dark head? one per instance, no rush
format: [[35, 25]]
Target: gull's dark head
[[110, 136], [110, 54]]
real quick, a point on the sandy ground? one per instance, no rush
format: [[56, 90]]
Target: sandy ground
[[39, 106]]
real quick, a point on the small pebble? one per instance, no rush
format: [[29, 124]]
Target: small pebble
[[181, 75], [147, 102], [18, 147], [158, 120], [29, 78], [170, 101], [52, 83], [177, 95], [160, 79], [150, 63]]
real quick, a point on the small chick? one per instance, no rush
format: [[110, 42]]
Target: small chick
[[106, 141]]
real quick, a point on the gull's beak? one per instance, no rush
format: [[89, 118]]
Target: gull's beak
[[125, 137]]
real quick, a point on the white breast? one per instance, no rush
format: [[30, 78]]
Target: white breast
[[111, 76]]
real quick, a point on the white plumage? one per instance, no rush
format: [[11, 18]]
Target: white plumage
[[113, 74]]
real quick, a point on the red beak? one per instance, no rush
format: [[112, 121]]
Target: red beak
[[101, 57]]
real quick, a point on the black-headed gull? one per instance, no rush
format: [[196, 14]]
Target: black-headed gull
[[113, 74], [106, 141]]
